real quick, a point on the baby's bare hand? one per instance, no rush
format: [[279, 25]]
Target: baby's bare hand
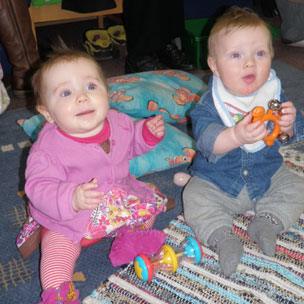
[[248, 132], [86, 197], [156, 126], [288, 117]]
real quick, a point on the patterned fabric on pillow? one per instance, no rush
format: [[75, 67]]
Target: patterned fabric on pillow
[[175, 149], [168, 92]]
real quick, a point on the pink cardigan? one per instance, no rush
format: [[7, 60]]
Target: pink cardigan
[[57, 164]]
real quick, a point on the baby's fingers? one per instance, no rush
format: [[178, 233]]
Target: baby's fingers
[[256, 131], [159, 131], [90, 185], [256, 127], [92, 194], [92, 203], [288, 107]]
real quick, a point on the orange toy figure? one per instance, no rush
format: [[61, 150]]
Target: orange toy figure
[[273, 114]]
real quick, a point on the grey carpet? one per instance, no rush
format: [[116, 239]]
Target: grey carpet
[[19, 279]]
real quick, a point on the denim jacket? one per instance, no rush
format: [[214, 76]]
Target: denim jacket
[[235, 169]]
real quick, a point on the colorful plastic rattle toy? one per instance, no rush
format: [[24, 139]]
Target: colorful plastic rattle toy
[[273, 114], [167, 259]]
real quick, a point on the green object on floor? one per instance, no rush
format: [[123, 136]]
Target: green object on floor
[[44, 2]]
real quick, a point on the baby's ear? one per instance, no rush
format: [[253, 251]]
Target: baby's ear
[[45, 113], [212, 64]]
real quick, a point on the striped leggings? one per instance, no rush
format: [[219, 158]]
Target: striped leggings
[[59, 256]]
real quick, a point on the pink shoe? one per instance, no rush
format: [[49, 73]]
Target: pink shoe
[[64, 294]]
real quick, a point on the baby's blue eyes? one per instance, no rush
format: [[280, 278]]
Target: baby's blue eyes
[[92, 86], [235, 55], [65, 93], [261, 53], [89, 87]]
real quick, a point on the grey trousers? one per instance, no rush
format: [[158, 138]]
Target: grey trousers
[[207, 208]]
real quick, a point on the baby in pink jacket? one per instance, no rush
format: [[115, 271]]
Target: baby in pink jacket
[[77, 175]]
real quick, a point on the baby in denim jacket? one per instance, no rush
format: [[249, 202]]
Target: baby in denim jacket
[[233, 170]]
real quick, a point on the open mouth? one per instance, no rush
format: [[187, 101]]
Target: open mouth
[[249, 78], [84, 113]]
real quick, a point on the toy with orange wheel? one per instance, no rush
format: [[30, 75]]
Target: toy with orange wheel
[[167, 259]]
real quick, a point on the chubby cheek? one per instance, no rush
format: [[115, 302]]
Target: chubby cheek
[[64, 115], [104, 106], [232, 83], [228, 73], [264, 75], [65, 111], [263, 69]]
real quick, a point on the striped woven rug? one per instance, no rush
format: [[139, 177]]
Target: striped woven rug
[[259, 279]]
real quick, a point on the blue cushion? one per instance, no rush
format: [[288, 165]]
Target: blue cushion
[[175, 149], [171, 93]]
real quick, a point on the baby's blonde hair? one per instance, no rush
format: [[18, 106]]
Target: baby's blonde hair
[[60, 55], [237, 18]]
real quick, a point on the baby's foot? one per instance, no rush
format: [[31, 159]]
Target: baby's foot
[[264, 230], [230, 253], [229, 249]]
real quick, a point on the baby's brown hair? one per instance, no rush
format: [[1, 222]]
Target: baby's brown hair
[[236, 18], [59, 55]]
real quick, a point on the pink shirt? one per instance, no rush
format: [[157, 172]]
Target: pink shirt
[[57, 164]]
